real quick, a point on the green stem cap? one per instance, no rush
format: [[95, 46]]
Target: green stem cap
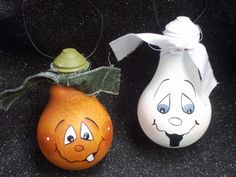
[[70, 60]]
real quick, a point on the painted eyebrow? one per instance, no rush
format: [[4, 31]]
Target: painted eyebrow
[[59, 124], [191, 85], [159, 86], [92, 121]]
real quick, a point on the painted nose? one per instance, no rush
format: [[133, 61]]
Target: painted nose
[[175, 121], [79, 148]]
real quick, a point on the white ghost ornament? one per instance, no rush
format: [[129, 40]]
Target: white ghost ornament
[[174, 110]]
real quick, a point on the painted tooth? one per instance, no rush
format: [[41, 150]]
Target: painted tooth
[[90, 158]]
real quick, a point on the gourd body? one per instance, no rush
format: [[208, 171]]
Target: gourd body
[[171, 111], [75, 131]]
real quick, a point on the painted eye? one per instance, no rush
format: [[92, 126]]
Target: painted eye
[[70, 135], [164, 106], [187, 104], [85, 132]]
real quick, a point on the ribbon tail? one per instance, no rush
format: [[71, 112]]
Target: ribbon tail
[[126, 44], [200, 58], [8, 97]]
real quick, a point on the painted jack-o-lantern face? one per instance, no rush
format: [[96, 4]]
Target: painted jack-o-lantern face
[[79, 143], [75, 131], [176, 117]]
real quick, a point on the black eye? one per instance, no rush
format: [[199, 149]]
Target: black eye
[[86, 136], [187, 104], [85, 133], [164, 106], [70, 138], [70, 135]]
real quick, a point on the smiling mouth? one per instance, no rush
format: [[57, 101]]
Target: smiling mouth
[[89, 158], [174, 138]]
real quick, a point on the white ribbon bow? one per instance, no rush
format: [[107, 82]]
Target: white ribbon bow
[[197, 52]]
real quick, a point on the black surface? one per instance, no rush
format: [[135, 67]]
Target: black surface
[[55, 25]]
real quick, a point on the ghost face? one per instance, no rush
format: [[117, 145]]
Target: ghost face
[[172, 114]]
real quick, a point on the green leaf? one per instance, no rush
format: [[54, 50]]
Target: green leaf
[[104, 79], [7, 97]]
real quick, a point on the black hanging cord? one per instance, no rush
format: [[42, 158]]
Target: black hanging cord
[[28, 35], [48, 56], [102, 28], [202, 12], [199, 16], [156, 15]]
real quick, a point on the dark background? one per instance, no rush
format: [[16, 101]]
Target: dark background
[[57, 24]]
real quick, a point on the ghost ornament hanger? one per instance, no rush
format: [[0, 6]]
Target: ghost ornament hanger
[[174, 110], [75, 130]]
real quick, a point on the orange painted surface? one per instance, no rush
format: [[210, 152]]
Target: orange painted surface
[[75, 131]]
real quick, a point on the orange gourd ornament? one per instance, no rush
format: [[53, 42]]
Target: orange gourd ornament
[[75, 130]]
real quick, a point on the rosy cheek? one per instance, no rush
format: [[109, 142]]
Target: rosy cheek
[[47, 143]]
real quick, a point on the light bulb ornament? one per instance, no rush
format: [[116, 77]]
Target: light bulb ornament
[[174, 110], [74, 131]]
